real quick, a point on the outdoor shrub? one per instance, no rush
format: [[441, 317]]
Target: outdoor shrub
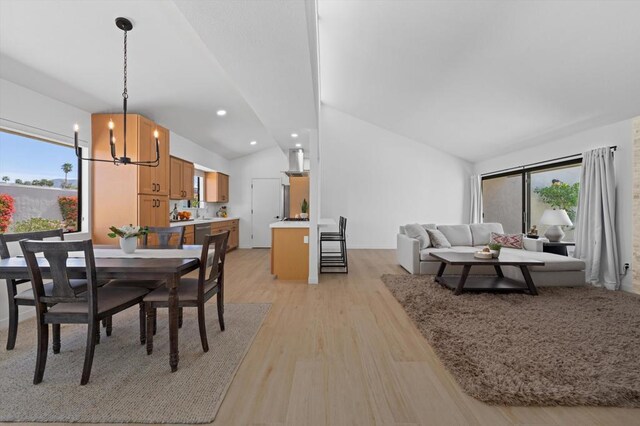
[[6, 211], [37, 224], [69, 209]]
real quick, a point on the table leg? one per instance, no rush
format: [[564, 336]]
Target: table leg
[[498, 271], [528, 280], [463, 279], [441, 269], [172, 284]]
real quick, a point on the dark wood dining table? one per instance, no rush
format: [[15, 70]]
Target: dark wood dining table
[[168, 269]]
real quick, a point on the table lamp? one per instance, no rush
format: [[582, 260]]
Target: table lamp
[[555, 218]]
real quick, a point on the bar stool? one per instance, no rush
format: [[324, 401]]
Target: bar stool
[[335, 259]]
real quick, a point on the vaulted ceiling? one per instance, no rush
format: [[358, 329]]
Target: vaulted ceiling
[[481, 78]]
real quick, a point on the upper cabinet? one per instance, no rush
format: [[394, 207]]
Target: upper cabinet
[[216, 187], [181, 187], [153, 180]]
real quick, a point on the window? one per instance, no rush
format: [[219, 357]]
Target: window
[[40, 186], [518, 199]]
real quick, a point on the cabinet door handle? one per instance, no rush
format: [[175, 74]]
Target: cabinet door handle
[[154, 187], [158, 185], [154, 203]]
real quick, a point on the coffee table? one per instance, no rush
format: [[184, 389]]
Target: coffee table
[[498, 283]]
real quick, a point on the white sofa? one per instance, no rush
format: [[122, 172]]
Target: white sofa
[[557, 271]]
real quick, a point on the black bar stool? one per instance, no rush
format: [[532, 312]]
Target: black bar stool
[[335, 259]]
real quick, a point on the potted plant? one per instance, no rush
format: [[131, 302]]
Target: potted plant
[[128, 236], [495, 249], [304, 209]]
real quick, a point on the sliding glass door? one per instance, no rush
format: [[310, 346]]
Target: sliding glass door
[[518, 199]]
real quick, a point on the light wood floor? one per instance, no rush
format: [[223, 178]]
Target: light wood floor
[[345, 353]]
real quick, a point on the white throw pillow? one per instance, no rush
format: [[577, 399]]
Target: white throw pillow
[[438, 239], [416, 231]]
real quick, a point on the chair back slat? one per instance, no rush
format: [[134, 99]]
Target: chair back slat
[[343, 226], [35, 235], [219, 242], [57, 253], [166, 235]]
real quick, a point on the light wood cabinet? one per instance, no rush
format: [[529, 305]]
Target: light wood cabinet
[[181, 187], [233, 226], [216, 187], [189, 235], [298, 191], [128, 194]]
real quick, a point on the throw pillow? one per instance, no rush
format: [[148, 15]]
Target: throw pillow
[[507, 240], [438, 239], [416, 231]]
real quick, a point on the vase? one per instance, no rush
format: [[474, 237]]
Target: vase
[[128, 245], [304, 215]]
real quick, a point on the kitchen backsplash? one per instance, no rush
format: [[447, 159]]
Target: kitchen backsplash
[[209, 210]]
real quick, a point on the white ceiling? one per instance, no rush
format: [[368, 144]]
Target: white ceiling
[[478, 79], [72, 51]]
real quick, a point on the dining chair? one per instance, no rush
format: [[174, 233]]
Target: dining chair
[[68, 305], [332, 259], [195, 292], [172, 236], [26, 297]]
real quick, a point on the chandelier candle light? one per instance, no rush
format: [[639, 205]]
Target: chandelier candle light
[[125, 25]]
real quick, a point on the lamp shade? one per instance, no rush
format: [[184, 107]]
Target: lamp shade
[[555, 217]]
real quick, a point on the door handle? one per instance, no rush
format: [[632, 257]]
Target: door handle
[[154, 203], [158, 186]]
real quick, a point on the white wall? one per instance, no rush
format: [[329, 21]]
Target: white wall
[[380, 180], [619, 134], [268, 163], [190, 151]]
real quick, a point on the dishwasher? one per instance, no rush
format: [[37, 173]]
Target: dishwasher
[[201, 230]]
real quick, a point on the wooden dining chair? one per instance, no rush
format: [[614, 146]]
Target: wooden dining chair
[[195, 292], [26, 297], [172, 236], [66, 304]]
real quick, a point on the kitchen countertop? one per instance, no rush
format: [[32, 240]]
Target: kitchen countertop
[[201, 221], [301, 224]]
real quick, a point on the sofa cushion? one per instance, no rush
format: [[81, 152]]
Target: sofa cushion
[[438, 239], [414, 230], [507, 240], [552, 262], [457, 235], [425, 254], [481, 232]]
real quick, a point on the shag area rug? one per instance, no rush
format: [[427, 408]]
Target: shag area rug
[[126, 385], [567, 346]]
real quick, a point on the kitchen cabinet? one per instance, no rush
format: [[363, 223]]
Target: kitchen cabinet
[[128, 194], [189, 235], [298, 191], [216, 187], [181, 186], [233, 226], [290, 253]]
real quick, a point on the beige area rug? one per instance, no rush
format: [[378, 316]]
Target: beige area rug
[[567, 346], [126, 385]]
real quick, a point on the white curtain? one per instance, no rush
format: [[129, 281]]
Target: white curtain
[[596, 241], [475, 211]]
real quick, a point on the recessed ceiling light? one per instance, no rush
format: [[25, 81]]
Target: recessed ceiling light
[[221, 112], [298, 145], [294, 135], [253, 142]]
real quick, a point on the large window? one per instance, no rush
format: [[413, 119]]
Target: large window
[[518, 199], [40, 186]]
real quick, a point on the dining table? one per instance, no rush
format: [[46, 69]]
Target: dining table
[[149, 263]]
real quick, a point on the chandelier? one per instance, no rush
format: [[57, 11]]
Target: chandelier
[[125, 25]]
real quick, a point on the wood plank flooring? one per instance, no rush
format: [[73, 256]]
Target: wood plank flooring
[[345, 353]]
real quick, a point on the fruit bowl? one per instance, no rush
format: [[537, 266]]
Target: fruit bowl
[[483, 255]]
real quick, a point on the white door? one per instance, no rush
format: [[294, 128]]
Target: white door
[[265, 209]]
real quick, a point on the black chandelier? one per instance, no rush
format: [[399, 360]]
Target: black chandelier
[[125, 25]]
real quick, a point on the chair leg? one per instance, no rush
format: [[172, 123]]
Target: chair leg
[[104, 323], [41, 357], [180, 313], [143, 328], [203, 328], [98, 334], [56, 338], [13, 325], [92, 336], [151, 318], [220, 304], [109, 326]]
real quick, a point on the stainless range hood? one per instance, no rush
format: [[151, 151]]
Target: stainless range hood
[[296, 163]]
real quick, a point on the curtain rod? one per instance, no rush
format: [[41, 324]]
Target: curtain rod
[[554, 160]]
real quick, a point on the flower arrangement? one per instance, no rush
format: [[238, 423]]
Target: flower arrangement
[[495, 248], [126, 232]]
